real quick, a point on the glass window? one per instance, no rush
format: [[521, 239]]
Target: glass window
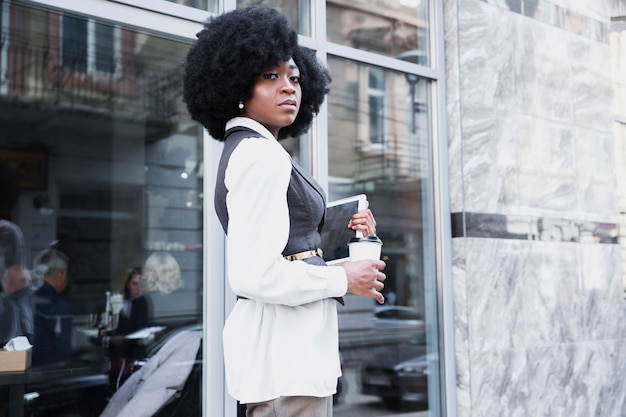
[[379, 144], [75, 43], [297, 12], [397, 28], [376, 105], [88, 45], [101, 163], [105, 42]]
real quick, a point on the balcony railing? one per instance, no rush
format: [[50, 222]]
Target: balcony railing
[[392, 158], [35, 75]]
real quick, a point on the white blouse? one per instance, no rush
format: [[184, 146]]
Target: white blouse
[[283, 339]]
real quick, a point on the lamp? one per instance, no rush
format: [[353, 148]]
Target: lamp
[[416, 57]]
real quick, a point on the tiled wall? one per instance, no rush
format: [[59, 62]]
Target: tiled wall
[[539, 308]]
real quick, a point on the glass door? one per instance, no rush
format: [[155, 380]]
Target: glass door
[[101, 164], [379, 144]]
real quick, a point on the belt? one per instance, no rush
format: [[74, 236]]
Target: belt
[[303, 255]]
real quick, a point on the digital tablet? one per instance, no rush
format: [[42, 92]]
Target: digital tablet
[[335, 233]]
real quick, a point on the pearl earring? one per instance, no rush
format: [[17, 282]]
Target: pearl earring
[[240, 105]]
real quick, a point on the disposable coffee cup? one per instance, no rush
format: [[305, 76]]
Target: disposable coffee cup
[[365, 248]]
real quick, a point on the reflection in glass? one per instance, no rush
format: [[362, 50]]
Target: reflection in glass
[[108, 169], [390, 28], [379, 141], [296, 11]]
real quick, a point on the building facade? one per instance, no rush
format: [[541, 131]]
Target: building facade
[[533, 134], [489, 137]]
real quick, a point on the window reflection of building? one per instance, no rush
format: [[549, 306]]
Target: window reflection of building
[[381, 120], [376, 104], [101, 104], [89, 46], [296, 11], [385, 27], [379, 140]]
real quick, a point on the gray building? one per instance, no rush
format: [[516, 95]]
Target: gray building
[[535, 129]]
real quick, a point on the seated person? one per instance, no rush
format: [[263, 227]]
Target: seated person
[[52, 310], [11, 274], [134, 315], [16, 316], [12, 248]]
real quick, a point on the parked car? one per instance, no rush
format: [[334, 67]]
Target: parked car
[[397, 323], [398, 317], [397, 374]]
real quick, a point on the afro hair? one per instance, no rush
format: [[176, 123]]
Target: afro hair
[[231, 51]]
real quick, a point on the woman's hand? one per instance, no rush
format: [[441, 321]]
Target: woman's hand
[[365, 278], [364, 222]]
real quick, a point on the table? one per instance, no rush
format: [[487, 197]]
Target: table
[[74, 373]]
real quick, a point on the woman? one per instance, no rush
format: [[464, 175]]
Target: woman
[[134, 315], [250, 84]]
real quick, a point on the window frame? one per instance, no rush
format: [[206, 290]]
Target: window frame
[[5, 12]]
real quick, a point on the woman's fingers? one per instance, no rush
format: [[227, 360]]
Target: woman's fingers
[[365, 278], [364, 222], [378, 297]]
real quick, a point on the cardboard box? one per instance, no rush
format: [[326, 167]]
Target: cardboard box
[[15, 361]]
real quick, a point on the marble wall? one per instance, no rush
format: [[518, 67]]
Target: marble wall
[[539, 309]]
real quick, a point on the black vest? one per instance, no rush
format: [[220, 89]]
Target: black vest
[[305, 198]]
